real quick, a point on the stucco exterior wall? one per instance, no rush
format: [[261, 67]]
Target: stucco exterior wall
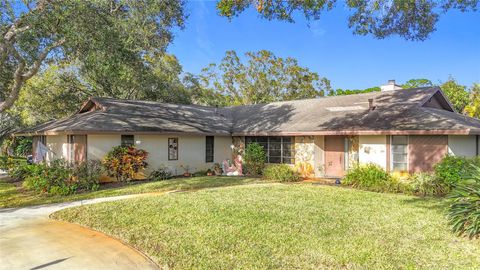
[[462, 145], [191, 150], [319, 153], [99, 145], [57, 147], [373, 149]]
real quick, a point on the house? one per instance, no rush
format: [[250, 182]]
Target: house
[[401, 130]]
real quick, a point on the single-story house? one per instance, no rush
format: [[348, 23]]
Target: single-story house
[[401, 130]]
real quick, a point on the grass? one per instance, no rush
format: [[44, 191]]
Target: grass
[[278, 226], [12, 196]]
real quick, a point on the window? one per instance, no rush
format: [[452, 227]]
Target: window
[[278, 149], [172, 148], [128, 140], [399, 154], [209, 144]]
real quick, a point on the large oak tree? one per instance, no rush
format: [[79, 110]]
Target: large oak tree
[[410, 19], [108, 40], [260, 77]]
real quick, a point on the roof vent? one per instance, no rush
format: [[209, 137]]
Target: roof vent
[[390, 86]]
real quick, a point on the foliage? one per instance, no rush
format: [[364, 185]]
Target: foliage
[[372, 177], [124, 162], [281, 172], [412, 20], [254, 159], [53, 93], [55, 178], [107, 38], [416, 83], [452, 169], [23, 146], [263, 78], [464, 211], [344, 92], [473, 107], [456, 93], [426, 184], [87, 174], [162, 173]]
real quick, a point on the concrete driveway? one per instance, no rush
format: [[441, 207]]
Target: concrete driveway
[[30, 240]]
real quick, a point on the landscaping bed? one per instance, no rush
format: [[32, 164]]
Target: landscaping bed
[[278, 226]]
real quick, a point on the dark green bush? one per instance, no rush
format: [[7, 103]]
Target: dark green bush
[[281, 172], [374, 178], [426, 184], [254, 159], [161, 173], [464, 210], [87, 174], [59, 177], [451, 170]]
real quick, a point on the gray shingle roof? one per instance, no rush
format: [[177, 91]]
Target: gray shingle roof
[[395, 111]]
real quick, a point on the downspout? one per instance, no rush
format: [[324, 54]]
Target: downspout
[[478, 145]]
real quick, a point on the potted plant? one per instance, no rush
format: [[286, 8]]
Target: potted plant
[[217, 169], [186, 169]]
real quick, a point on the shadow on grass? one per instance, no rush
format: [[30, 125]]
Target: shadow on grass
[[438, 204]]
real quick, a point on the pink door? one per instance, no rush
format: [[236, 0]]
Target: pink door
[[334, 156]]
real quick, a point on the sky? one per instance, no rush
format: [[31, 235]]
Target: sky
[[329, 47]]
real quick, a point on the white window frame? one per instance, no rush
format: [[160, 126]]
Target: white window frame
[[392, 154]]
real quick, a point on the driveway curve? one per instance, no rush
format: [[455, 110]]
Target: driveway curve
[[30, 240]]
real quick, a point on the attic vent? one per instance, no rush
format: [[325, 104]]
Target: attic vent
[[345, 109]]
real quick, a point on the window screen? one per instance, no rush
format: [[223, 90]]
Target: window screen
[[399, 153], [209, 145], [277, 149], [128, 140]]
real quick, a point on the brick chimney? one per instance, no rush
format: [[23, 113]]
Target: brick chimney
[[390, 86]]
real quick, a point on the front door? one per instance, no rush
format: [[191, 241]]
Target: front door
[[334, 156]]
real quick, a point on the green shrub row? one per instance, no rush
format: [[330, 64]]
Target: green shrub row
[[281, 172], [374, 178], [59, 177]]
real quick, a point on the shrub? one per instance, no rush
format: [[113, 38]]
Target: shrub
[[161, 173], [426, 184], [23, 146], [123, 162], [373, 177], [254, 158], [87, 174], [281, 172], [464, 211], [3, 163], [451, 170]]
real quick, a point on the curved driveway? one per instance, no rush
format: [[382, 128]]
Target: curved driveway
[[30, 240]]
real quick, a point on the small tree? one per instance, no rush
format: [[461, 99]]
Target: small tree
[[123, 162], [255, 158]]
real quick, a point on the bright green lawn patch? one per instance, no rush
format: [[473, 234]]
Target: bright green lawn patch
[[10, 196], [295, 226]]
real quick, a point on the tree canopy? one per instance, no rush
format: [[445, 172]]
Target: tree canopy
[[107, 40], [261, 78], [410, 19]]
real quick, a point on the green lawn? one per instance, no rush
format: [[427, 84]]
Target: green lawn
[[11, 196], [276, 226]]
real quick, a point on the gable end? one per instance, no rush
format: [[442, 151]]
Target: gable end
[[438, 101]]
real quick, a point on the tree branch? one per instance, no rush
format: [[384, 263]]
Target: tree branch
[[20, 76]]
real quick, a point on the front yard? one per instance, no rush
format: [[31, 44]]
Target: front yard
[[293, 226], [13, 195]]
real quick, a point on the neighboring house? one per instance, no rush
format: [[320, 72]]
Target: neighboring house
[[402, 130]]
